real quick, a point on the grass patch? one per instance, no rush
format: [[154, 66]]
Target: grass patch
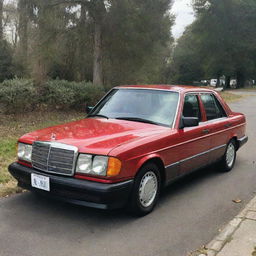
[[7, 155], [230, 97], [14, 126], [9, 188]]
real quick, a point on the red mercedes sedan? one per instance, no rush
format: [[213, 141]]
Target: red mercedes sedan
[[135, 141]]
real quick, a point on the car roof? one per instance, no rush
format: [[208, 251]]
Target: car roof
[[176, 88]]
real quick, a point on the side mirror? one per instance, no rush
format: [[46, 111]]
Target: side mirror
[[88, 109], [189, 122]]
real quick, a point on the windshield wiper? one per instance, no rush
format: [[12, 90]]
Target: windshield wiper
[[137, 119], [98, 116]]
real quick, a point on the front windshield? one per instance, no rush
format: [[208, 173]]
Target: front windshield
[[147, 105]]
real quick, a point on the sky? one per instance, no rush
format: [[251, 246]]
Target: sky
[[184, 16]]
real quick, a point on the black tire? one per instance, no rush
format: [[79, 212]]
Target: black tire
[[226, 165], [136, 205]]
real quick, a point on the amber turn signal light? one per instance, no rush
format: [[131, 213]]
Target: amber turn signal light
[[114, 166]]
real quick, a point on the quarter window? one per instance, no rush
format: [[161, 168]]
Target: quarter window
[[191, 106], [212, 107]]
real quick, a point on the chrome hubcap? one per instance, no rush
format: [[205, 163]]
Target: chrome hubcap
[[148, 189], [230, 155]]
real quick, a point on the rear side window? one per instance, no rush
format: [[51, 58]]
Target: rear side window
[[212, 107], [191, 106]]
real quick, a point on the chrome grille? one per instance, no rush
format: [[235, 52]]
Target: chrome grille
[[54, 157]]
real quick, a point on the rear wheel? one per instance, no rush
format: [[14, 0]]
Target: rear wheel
[[228, 161], [146, 190]]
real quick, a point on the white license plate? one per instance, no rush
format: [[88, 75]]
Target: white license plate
[[40, 182]]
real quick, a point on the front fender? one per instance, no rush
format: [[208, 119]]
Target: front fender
[[147, 158]]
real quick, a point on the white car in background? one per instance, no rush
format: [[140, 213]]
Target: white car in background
[[205, 82], [213, 82], [233, 83]]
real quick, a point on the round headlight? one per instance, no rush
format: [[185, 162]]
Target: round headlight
[[84, 163], [99, 165]]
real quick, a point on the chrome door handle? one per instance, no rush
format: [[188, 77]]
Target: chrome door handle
[[227, 125], [206, 131]]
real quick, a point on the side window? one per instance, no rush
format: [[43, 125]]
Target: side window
[[212, 107], [191, 106]]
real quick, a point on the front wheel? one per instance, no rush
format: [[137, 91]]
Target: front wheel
[[146, 190], [228, 161]]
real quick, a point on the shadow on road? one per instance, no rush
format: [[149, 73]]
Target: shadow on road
[[191, 180]]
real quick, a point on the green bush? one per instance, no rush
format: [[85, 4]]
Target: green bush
[[87, 93], [17, 95], [58, 94], [20, 95], [62, 94]]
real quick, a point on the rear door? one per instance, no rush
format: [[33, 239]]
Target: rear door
[[194, 151], [219, 125]]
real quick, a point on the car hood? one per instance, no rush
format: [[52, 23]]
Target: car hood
[[95, 135]]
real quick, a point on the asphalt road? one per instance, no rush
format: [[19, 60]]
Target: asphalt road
[[188, 216]]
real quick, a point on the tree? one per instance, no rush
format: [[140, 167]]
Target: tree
[[224, 42], [11, 22], [24, 11], [6, 62], [50, 22], [1, 19], [138, 39], [227, 27], [83, 39], [134, 18], [97, 11], [185, 66], [107, 42]]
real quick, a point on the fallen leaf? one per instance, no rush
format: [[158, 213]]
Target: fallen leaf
[[237, 201]]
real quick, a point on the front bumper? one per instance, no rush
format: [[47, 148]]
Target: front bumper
[[81, 192]]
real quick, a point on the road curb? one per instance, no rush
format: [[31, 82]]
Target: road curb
[[225, 236]]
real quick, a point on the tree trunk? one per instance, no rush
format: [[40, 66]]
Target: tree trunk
[[1, 19], [97, 62], [42, 59], [227, 82], [97, 11], [15, 35], [240, 80], [81, 76], [218, 81], [23, 31]]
